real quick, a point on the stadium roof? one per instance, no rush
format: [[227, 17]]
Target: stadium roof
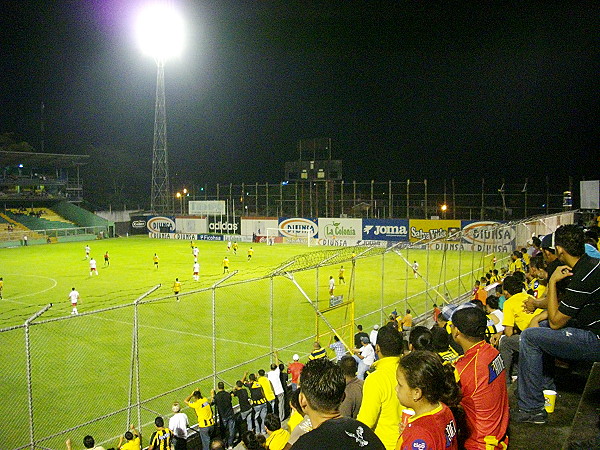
[[41, 160]]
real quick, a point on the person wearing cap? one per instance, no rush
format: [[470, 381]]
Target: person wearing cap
[[482, 380], [573, 319], [295, 369], [380, 409], [364, 356], [373, 335], [179, 424]]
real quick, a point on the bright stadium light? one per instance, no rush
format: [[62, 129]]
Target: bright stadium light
[[160, 33]]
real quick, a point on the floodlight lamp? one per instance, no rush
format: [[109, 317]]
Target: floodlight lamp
[[160, 31], [178, 195], [444, 207]]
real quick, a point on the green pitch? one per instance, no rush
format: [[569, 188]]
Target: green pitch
[[81, 366]]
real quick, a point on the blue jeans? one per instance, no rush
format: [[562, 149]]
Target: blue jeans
[[247, 416], [205, 436], [362, 368], [260, 411], [229, 425], [539, 343]]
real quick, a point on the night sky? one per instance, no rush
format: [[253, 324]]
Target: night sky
[[404, 89]]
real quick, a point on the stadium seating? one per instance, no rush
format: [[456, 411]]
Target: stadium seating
[[49, 221]]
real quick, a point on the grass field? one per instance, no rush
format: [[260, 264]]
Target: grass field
[[81, 365]]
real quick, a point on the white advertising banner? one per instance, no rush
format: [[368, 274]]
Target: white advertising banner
[[590, 194], [206, 207], [345, 229], [196, 226]]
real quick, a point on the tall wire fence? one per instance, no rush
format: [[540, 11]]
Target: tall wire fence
[[97, 372], [467, 199]]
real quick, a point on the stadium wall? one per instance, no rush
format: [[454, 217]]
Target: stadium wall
[[80, 216]]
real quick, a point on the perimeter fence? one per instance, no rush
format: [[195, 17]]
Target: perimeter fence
[[97, 372]]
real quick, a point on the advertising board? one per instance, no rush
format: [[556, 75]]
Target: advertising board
[[385, 229], [344, 229], [428, 230], [295, 227], [206, 207], [224, 225]]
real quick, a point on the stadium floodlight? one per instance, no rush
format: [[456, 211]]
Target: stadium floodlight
[[160, 31], [160, 34]]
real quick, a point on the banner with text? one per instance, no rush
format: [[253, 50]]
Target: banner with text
[[224, 225], [340, 229], [298, 227], [428, 230], [138, 224], [385, 229], [206, 207], [489, 236]]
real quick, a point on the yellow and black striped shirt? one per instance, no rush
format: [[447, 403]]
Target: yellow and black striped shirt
[[257, 394], [161, 439]]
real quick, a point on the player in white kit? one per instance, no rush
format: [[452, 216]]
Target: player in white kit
[[93, 268], [73, 296], [196, 271]]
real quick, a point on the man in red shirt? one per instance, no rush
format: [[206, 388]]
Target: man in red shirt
[[483, 382], [295, 368]]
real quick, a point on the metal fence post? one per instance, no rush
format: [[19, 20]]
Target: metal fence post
[[271, 316], [29, 384], [382, 285]]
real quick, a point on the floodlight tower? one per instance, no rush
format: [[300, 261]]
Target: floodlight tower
[[160, 32]]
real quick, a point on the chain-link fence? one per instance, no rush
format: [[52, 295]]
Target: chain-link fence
[[97, 372], [466, 199]]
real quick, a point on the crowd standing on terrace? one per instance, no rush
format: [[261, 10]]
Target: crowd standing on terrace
[[405, 387]]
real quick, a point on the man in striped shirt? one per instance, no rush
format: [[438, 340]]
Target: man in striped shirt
[[573, 330], [161, 438], [318, 352]]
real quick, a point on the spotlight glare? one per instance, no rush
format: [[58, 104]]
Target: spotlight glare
[[160, 31]]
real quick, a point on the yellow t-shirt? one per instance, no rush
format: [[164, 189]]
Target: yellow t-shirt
[[203, 411], [526, 258], [515, 265], [538, 289], [250, 252], [133, 444], [226, 262], [177, 286], [155, 258], [341, 274], [266, 385], [514, 314], [294, 420], [278, 439]]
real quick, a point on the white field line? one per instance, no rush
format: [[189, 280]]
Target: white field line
[[32, 293], [183, 332]]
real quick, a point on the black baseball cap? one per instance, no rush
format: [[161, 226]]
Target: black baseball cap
[[471, 322], [548, 241]]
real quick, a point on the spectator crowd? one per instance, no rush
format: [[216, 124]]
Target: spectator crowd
[[407, 386]]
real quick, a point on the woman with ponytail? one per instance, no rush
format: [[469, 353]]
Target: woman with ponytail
[[429, 387]]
